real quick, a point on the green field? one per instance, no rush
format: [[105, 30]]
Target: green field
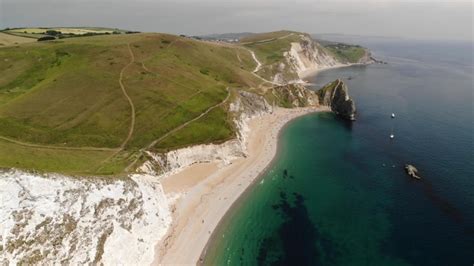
[[37, 32], [91, 105], [266, 36], [66, 94]]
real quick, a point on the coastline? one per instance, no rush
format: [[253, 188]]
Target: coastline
[[311, 72], [204, 192]]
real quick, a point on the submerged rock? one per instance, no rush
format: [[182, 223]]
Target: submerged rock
[[336, 95], [412, 171]]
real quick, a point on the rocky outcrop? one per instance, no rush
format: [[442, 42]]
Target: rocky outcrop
[[367, 58], [245, 107], [412, 171], [295, 95], [336, 95]]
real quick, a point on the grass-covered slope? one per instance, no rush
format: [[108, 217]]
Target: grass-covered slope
[[347, 53], [63, 109], [92, 105]]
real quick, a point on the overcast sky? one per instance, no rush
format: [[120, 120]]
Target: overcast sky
[[421, 19]]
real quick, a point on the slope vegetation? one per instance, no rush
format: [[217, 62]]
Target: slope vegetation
[[75, 96], [94, 105]]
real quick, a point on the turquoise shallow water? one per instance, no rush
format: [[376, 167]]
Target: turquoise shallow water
[[337, 193]]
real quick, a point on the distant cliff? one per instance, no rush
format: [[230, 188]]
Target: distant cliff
[[307, 56], [288, 56], [349, 53], [336, 95]]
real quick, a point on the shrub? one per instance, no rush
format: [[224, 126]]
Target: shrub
[[46, 38], [53, 32]]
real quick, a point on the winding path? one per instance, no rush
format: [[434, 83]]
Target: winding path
[[153, 143], [124, 91], [115, 150], [258, 67]]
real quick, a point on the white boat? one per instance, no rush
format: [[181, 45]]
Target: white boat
[[393, 115]]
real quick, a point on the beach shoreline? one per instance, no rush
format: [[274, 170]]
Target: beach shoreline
[[205, 192], [312, 72]]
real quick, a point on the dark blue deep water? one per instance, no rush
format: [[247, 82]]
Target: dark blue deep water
[[337, 194]]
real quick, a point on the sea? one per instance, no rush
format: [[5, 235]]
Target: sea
[[337, 192]]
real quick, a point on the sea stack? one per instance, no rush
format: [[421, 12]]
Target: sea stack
[[336, 95], [412, 171]]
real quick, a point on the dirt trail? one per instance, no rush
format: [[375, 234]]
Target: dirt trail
[[188, 122], [132, 109], [124, 91], [254, 57], [31, 145], [178, 128], [116, 150], [268, 40], [258, 67]]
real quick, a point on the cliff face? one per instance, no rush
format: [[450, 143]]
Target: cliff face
[[298, 55], [336, 95], [54, 219], [308, 56], [294, 95]]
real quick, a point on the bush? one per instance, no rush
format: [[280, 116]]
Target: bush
[[46, 38], [53, 32]]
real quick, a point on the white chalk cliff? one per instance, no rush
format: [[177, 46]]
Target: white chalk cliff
[[309, 56], [52, 219]]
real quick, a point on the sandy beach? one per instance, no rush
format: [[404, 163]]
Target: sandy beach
[[205, 191]]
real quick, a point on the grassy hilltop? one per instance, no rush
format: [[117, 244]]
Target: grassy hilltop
[[90, 105]]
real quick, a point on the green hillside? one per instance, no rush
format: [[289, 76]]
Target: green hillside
[[346, 53], [62, 107], [93, 105]]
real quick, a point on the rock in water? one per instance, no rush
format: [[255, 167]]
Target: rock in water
[[412, 171], [335, 95]]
